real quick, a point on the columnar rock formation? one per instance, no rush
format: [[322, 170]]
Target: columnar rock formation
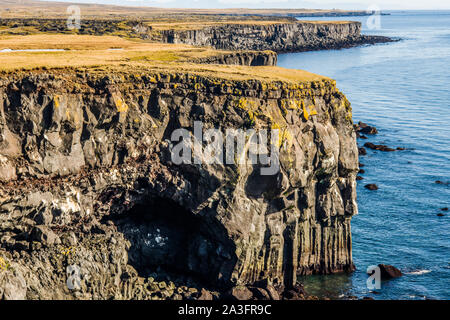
[[87, 180], [279, 37]]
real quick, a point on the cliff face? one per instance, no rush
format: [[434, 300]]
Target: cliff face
[[244, 58], [280, 37], [88, 183]]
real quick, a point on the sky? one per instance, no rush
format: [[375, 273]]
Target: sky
[[313, 4]]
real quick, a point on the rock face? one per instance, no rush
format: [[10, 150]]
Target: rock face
[[244, 58], [280, 37], [91, 203]]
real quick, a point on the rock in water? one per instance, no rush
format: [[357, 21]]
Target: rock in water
[[389, 272], [371, 186], [362, 151], [379, 147], [369, 130]]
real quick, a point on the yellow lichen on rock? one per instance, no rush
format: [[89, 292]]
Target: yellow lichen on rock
[[312, 110], [305, 114], [121, 105], [56, 102]]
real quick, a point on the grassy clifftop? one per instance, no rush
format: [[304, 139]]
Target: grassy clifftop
[[115, 53]]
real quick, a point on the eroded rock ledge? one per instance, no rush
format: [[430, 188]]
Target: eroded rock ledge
[[87, 181], [279, 37]]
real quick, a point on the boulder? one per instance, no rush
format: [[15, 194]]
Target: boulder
[[205, 295], [389, 272], [240, 293], [44, 235], [260, 293]]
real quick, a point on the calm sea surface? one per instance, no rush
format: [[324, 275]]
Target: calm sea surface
[[403, 89]]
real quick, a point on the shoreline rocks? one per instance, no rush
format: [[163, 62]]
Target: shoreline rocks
[[378, 147]]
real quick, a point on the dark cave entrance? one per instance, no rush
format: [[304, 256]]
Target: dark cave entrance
[[169, 239]]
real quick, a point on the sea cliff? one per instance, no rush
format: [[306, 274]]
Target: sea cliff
[[279, 37], [88, 186]]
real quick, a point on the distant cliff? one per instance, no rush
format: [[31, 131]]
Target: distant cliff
[[87, 183], [279, 37]]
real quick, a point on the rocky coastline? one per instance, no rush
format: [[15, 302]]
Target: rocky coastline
[[92, 206]]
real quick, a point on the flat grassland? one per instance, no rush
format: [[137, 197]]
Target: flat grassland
[[116, 53], [42, 9]]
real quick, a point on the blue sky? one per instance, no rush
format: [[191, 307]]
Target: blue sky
[[319, 4]]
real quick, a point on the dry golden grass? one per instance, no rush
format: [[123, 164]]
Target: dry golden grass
[[84, 50], [72, 42], [94, 51], [43, 9]]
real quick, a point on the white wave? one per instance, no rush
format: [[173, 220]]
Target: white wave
[[418, 272]]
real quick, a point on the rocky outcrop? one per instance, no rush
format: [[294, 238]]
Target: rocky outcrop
[[92, 206], [279, 37], [244, 58]]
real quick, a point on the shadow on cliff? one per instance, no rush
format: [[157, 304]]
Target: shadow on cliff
[[167, 239]]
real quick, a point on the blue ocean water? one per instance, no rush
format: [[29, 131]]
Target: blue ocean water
[[403, 89]]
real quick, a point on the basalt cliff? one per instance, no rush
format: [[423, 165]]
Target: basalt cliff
[[89, 193], [279, 37]]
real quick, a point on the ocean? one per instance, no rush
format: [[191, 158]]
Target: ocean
[[403, 89]]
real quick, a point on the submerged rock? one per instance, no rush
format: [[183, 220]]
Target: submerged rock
[[371, 186]]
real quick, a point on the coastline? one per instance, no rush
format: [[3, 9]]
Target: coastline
[[95, 158]]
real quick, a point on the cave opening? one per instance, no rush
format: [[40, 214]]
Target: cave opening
[[168, 239]]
